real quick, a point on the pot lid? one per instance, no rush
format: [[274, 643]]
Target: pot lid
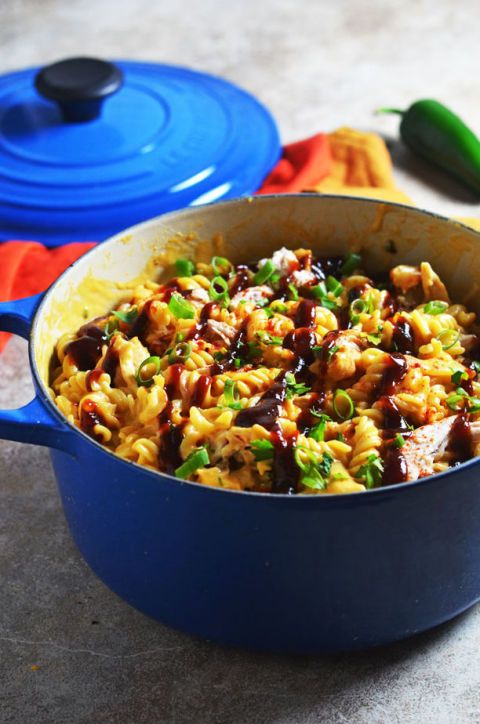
[[88, 147]]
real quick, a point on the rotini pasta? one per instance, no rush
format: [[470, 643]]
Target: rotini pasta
[[295, 374]]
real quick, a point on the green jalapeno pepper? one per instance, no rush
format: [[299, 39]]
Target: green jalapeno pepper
[[441, 137]]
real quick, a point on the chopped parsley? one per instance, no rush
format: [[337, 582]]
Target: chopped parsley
[[294, 388], [371, 473], [262, 450], [317, 432], [314, 472]]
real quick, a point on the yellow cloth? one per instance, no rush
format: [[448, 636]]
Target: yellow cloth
[[361, 166]]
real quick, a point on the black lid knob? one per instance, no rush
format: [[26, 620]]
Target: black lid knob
[[79, 86]]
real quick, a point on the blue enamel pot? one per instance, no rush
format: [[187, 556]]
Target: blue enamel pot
[[303, 573]]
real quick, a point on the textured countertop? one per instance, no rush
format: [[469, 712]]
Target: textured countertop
[[70, 650]]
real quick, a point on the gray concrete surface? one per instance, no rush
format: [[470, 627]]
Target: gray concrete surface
[[317, 65]]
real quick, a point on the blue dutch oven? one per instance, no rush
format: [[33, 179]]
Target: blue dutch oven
[[303, 573]]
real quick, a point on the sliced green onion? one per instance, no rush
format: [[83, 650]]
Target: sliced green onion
[[127, 317], [358, 306], [268, 339], [332, 351], [219, 296], [221, 265], [197, 459], [278, 307], [180, 353], [293, 293], [325, 464], [375, 338], [231, 394], [435, 307], [341, 437], [334, 286], [184, 267], [399, 440], [312, 458], [264, 273], [147, 381], [448, 338], [350, 407], [274, 279], [351, 263], [473, 404], [458, 376], [453, 400], [320, 293], [180, 308], [262, 450]]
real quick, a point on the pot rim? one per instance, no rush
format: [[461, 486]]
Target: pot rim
[[324, 499]]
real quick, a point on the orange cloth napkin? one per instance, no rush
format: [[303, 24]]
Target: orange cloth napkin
[[27, 268], [302, 165]]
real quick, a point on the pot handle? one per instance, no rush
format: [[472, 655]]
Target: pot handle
[[32, 423]]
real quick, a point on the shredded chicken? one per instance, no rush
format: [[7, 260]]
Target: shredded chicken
[[475, 433], [433, 287], [220, 330], [302, 277], [424, 445], [199, 295], [131, 354], [284, 261], [405, 277], [469, 342], [344, 361], [252, 294]]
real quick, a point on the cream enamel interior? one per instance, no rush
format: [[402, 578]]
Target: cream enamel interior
[[249, 229]]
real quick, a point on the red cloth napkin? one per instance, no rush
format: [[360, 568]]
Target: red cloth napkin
[[28, 268]]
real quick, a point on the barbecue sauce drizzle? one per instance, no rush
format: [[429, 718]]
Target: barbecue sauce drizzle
[[86, 350], [402, 338], [460, 439], [90, 416], [171, 435]]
